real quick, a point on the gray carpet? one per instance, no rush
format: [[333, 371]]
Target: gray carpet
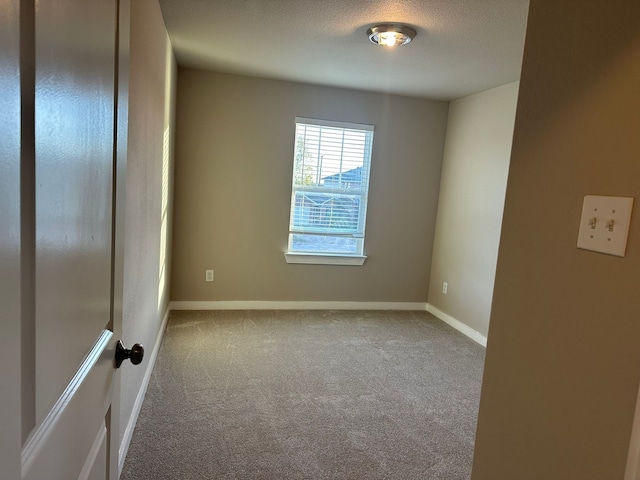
[[308, 395]]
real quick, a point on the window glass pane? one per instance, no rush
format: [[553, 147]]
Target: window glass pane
[[323, 244], [329, 188], [318, 211]]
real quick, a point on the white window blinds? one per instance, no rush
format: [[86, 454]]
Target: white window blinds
[[330, 186]]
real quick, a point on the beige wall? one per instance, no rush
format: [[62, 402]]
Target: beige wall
[[563, 357], [234, 162], [472, 188], [152, 74]]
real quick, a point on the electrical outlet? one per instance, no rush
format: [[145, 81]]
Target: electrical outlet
[[445, 285], [208, 275]]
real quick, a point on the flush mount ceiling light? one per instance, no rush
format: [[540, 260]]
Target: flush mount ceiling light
[[391, 34]]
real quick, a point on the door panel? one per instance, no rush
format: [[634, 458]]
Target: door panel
[[96, 463], [75, 70], [61, 446], [10, 248], [74, 116]]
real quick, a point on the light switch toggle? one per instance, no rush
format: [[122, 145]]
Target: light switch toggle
[[592, 223], [610, 224]]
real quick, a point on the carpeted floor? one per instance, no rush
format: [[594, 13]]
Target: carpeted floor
[[308, 395]]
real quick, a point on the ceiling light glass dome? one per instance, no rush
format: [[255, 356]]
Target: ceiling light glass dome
[[391, 34]]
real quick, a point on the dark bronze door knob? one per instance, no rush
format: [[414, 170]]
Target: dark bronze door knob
[[135, 354]]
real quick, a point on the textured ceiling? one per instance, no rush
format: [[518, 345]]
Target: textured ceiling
[[462, 46]]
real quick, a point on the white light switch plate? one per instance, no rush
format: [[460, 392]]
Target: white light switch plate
[[597, 233]]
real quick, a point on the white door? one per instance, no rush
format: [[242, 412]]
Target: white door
[[10, 252], [68, 317]]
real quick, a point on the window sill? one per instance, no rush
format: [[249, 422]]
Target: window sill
[[324, 259]]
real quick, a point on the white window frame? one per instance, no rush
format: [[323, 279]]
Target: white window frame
[[320, 258]]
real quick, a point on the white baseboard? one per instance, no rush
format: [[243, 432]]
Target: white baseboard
[[131, 424], [268, 305], [458, 325]]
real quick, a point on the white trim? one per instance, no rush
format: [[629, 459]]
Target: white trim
[[458, 325], [40, 435], [131, 424], [267, 305], [324, 259]]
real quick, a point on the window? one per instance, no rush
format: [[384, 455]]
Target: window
[[329, 193]]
